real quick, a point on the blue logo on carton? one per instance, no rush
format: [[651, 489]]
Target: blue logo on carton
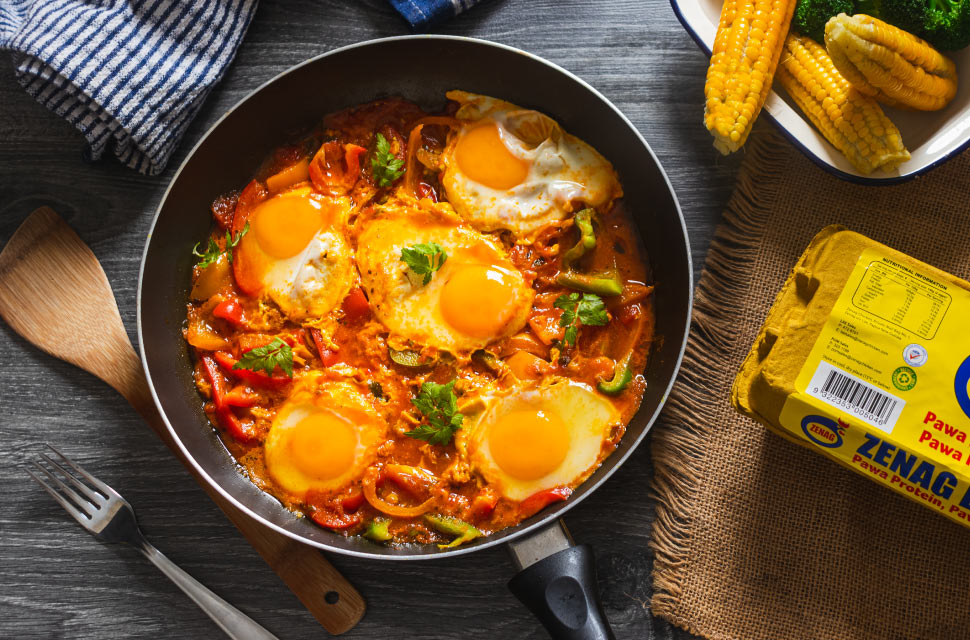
[[823, 431], [960, 383]]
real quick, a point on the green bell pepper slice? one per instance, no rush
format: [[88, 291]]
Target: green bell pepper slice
[[453, 527]]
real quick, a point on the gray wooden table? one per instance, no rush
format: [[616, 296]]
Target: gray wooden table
[[57, 582]]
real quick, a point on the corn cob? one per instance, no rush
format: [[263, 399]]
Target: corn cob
[[852, 122], [889, 64], [746, 51]]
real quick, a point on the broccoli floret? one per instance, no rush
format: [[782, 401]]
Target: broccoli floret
[[811, 15], [945, 24]]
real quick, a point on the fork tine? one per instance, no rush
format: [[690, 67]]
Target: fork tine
[[82, 519], [102, 487], [93, 497], [79, 502]]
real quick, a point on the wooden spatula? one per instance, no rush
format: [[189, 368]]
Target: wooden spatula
[[46, 269]]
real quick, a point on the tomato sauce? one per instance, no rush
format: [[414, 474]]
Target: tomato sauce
[[223, 323]]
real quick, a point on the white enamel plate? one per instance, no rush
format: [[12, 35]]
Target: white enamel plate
[[932, 137]]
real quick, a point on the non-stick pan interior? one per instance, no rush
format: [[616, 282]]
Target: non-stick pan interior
[[420, 68]]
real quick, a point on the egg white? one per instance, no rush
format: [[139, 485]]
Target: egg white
[[313, 282], [313, 394], [411, 309], [588, 415], [563, 170]]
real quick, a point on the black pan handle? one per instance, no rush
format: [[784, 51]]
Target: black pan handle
[[557, 582]]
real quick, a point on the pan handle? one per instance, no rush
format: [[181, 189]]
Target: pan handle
[[557, 582]]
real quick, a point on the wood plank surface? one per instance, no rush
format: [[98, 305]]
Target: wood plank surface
[[57, 582]]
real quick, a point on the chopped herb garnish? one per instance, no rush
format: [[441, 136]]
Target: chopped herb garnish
[[211, 254], [384, 165], [231, 242], [440, 406], [588, 310], [276, 354], [424, 259], [212, 251]]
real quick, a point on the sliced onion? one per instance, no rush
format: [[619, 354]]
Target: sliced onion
[[372, 478], [446, 121], [410, 177]]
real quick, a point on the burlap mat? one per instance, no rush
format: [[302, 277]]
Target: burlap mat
[[760, 538]]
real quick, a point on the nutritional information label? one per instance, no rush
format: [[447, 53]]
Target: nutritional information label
[[903, 298]]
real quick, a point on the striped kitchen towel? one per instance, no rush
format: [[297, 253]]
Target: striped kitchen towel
[[130, 74], [423, 13]]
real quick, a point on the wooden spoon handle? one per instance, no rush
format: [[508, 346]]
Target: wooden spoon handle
[[55, 294]]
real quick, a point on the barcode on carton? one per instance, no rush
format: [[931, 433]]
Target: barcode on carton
[[856, 397]]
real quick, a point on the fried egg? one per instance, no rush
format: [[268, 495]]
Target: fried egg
[[476, 297], [323, 437], [539, 437], [516, 169], [295, 254]]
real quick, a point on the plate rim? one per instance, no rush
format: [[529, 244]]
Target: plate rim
[[822, 164]]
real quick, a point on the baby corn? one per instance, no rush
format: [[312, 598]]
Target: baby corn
[[889, 64], [746, 50], [854, 123]]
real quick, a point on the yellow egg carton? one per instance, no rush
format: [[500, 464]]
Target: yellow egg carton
[[865, 357]]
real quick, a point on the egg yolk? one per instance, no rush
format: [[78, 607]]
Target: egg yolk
[[478, 300], [285, 225], [323, 445], [484, 158], [528, 444]]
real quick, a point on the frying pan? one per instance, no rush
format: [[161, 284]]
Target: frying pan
[[556, 579]]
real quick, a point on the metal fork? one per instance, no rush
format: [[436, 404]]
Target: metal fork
[[109, 518]]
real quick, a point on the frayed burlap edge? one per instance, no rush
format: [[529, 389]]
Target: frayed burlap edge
[[689, 418]]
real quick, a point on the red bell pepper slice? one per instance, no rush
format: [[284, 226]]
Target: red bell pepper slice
[[335, 520], [230, 311], [629, 313], [251, 197], [539, 501], [414, 480], [257, 378], [241, 397], [336, 167], [352, 154], [425, 190], [355, 304], [216, 380], [484, 503], [242, 431], [353, 500], [327, 356]]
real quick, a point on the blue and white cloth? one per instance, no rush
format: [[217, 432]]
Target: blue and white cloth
[[130, 74], [424, 13]]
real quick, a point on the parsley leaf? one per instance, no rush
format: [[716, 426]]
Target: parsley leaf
[[232, 242], [592, 311], [211, 254], [424, 259], [588, 310], [276, 354], [212, 251], [440, 405], [570, 336], [384, 165], [568, 304]]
